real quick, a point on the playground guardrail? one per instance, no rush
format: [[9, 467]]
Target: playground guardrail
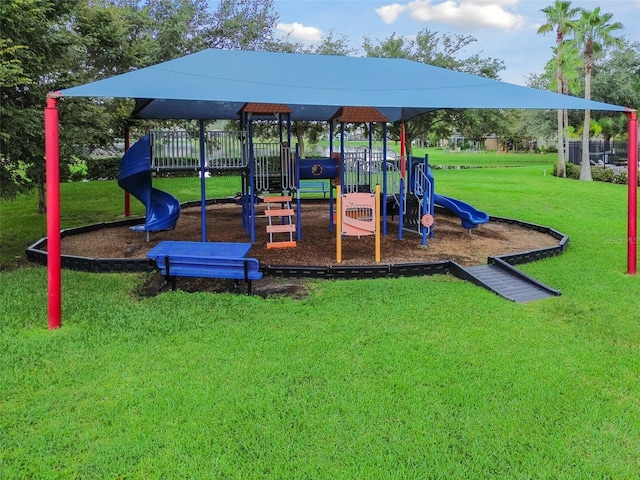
[[180, 150]]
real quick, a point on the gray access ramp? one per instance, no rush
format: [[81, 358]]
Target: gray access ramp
[[505, 280]]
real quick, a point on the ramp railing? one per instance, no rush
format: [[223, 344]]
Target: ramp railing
[[421, 189], [393, 183]]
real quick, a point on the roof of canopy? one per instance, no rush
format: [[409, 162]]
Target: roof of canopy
[[216, 84]]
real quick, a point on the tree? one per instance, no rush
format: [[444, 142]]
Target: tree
[[443, 50], [560, 17], [11, 71], [475, 125], [593, 32], [37, 54], [114, 37], [616, 75], [241, 25], [571, 85], [12, 74], [49, 45], [616, 78], [177, 27]]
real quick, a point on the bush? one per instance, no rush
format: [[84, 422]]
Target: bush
[[77, 170], [620, 178], [105, 168], [600, 174], [573, 171]]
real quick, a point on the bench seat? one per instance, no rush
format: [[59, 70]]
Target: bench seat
[[315, 186]]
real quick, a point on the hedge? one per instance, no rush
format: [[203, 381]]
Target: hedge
[[599, 174], [104, 168]]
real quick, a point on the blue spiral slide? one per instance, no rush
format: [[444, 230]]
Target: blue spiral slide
[[134, 177], [469, 215]]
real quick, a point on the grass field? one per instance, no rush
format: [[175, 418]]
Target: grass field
[[425, 377], [480, 158]]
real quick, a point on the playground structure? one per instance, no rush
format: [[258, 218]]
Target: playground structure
[[369, 185], [211, 86], [275, 169]]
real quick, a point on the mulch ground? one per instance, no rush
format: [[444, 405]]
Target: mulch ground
[[317, 248]]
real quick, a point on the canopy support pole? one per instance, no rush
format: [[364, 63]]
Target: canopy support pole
[[127, 195], [632, 209], [384, 179], [52, 156], [203, 185]]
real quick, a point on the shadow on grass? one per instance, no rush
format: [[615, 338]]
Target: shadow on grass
[[295, 288]]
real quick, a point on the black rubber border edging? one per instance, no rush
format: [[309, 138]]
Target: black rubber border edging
[[37, 254]]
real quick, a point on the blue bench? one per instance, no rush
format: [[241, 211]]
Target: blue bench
[[234, 268], [315, 186]]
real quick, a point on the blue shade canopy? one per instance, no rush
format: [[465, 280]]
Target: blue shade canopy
[[215, 84]]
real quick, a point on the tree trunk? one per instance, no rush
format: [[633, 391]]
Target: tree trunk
[[585, 171], [561, 170], [566, 136], [42, 198], [408, 141], [585, 165], [300, 139]]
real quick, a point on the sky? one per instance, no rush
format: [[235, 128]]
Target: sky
[[504, 29]]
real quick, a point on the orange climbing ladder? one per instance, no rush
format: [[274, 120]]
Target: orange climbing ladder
[[280, 207]]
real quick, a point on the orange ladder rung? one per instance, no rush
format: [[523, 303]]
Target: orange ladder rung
[[288, 244], [285, 228], [281, 199], [279, 212]]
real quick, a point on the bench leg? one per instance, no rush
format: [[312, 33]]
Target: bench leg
[[168, 278], [169, 282]]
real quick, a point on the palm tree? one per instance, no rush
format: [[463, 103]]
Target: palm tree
[[560, 17], [593, 33], [571, 84]]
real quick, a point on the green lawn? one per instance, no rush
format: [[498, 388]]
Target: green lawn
[[482, 158], [425, 377]]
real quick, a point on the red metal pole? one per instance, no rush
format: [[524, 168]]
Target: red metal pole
[[127, 196], [52, 156], [632, 209]]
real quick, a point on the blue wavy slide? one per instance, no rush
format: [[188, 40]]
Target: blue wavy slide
[[470, 216], [134, 177]]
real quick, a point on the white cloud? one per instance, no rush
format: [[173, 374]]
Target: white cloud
[[390, 13], [299, 32], [458, 13]]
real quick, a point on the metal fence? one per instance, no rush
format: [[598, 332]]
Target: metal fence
[[600, 152]]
